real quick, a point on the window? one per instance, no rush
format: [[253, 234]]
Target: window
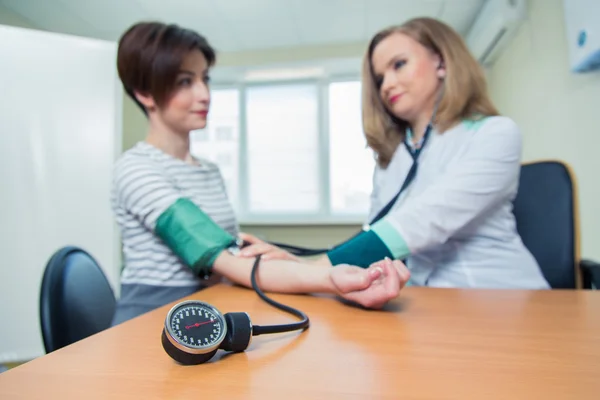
[[283, 143], [350, 162], [208, 143], [224, 133], [224, 159], [201, 136], [290, 152]]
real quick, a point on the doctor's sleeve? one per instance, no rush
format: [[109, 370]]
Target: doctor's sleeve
[[486, 175]]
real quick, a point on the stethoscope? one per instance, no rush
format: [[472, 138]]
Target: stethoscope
[[194, 330]]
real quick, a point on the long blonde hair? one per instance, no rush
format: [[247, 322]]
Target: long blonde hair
[[465, 92]]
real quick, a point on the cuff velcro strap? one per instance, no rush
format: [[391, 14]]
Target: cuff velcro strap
[[192, 235], [362, 250]]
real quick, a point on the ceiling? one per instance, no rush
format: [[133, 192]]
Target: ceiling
[[244, 25]]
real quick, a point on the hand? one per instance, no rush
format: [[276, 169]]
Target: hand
[[371, 287], [268, 251]]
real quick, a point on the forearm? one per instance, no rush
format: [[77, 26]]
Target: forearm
[[322, 261], [200, 242], [281, 276]]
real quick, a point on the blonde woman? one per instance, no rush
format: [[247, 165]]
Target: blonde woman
[[442, 144]]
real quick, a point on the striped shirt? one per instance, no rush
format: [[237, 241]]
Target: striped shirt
[[146, 182]]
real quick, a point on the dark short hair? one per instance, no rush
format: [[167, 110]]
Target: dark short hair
[[149, 57]]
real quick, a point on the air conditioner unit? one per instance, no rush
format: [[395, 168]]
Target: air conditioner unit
[[582, 21], [494, 27]]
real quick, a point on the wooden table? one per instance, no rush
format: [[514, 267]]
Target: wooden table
[[429, 344]]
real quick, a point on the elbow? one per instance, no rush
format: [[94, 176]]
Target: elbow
[[422, 236], [439, 235], [426, 233]]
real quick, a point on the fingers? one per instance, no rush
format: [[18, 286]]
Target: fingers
[[370, 276], [378, 263], [349, 278], [392, 279], [247, 237], [358, 279], [403, 272], [367, 277], [268, 251], [255, 249], [382, 283], [374, 273]]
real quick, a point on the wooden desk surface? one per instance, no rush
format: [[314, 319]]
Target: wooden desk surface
[[432, 344]]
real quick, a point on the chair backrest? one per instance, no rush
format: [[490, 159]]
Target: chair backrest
[[545, 212], [76, 299]]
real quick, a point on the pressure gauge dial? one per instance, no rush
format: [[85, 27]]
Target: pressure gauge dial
[[193, 331]]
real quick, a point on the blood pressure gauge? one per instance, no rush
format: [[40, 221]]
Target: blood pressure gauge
[[195, 330]]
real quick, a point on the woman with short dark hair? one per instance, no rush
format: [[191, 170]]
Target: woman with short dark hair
[[175, 218]]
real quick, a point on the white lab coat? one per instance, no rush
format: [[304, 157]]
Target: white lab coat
[[456, 216]]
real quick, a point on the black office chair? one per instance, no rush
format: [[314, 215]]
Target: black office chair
[[547, 220], [76, 299]]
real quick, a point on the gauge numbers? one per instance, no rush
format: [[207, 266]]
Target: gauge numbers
[[197, 325]]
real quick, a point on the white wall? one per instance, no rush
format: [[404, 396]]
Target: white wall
[[558, 111], [60, 132], [7, 17]]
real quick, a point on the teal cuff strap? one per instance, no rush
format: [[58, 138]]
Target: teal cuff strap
[[192, 235], [362, 250], [392, 239]]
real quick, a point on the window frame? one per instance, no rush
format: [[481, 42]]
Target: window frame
[[324, 215]]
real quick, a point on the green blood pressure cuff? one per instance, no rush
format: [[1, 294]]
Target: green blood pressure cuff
[[378, 242], [362, 250], [192, 235]]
